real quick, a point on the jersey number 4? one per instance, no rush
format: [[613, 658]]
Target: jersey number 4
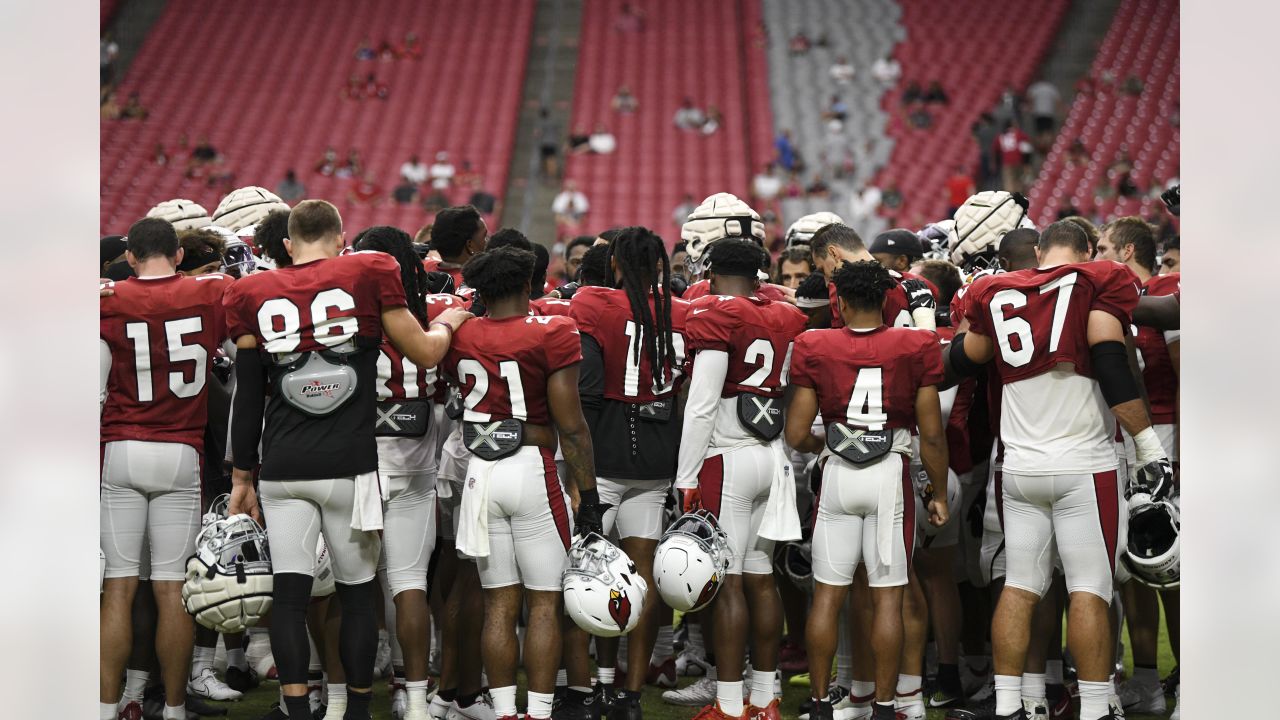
[[866, 402], [1009, 328], [176, 351]]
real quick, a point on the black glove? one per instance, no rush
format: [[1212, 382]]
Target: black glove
[[976, 513], [566, 291], [1172, 198], [590, 518], [678, 285], [439, 283], [815, 476], [918, 294], [221, 368], [1155, 479]]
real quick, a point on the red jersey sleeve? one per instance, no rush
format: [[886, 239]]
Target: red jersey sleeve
[[928, 360], [800, 373], [1164, 284], [702, 288], [974, 307], [709, 325], [563, 345], [382, 272], [1115, 289], [239, 321], [769, 291], [585, 310], [438, 303]]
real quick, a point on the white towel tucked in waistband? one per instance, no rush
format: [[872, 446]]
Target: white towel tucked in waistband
[[781, 520], [366, 507], [473, 525], [890, 491]]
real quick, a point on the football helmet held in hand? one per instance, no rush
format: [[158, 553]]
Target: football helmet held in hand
[[603, 590], [228, 584], [1155, 480], [691, 561], [1153, 554]]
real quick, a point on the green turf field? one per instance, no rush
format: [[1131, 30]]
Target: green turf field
[[257, 703]]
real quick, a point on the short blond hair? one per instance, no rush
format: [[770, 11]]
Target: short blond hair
[[314, 220]]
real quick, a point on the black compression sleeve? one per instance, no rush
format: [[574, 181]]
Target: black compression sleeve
[[960, 362], [591, 380], [1111, 369], [247, 407]]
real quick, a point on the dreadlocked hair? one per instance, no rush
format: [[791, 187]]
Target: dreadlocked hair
[[500, 273], [397, 243], [863, 284], [641, 258]]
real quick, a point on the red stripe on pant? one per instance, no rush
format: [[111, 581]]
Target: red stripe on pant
[[1106, 492], [555, 495], [711, 484], [908, 509], [999, 492]]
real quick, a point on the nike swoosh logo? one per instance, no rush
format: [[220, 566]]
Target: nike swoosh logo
[[700, 310]]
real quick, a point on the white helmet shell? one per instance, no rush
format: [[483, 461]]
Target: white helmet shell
[[1153, 553], [982, 220], [720, 216], [228, 584], [603, 590], [246, 206], [802, 230], [183, 214], [937, 238], [691, 561], [323, 585]]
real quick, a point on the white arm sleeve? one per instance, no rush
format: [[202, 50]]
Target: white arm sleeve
[[710, 368], [104, 371], [924, 318]]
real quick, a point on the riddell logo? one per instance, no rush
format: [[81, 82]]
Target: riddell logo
[[317, 389]]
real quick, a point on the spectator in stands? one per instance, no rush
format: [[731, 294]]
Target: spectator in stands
[[892, 197], [353, 90], [290, 189], [837, 109], [434, 200], [689, 116], [473, 183], [405, 192], [913, 93], [794, 265], [366, 191], [624, 102], [984, 132], [411, 49], [712, 123], [364, 51], [1132, 86], [818, 188], [202, 155], [441, 172], [579, 142], [133, 109], [822, 41], [160, 155], [107, 52], [375, 88], [1077, 154], [352, 167], [1121, 173], [1009, 107], [683, 210], [864, 205], [328, 164], [765, 186], [110, 107], [935, 95], [836, 156], [842, 71], [414, 170], [799, 43], [631, 19], [1045, 101], [786, 150], [549, 143], [602, 142], [886, 70], [959, 188], [1012, 148], [570, 206], [573, 253], [386, 52], [919, 116]]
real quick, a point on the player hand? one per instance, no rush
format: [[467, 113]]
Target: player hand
[[939, 513], [454, 316], [918, 294], [690, 499], [788, 294], [590, 518], [244, 499], [1154, 479], [105, 287]]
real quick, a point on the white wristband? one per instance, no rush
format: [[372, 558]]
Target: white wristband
[[1147, 446]]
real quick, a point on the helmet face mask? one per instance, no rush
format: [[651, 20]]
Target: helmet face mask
[[228, 584], [603, 591], [1153, 553], [238, 260]]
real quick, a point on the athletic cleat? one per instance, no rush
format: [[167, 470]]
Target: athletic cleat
[[1059, 702], [914, 711], [820, 711], [208, 686], [242, 681], [203, 709], [944, 699], [837, 698], [623, 707], [1036, 708], [768, 712], [986, 691], [700, 693], [1142, 698], [399, 701], [973, 680], [692, 662], [131, 710], [792, 658], [663, 675], [382, 661], [481, 709], [712, 711], [801, 680], [604, 697], [1170, 683], [276, 713], [417, 713], [1177, 698], [439, 707]]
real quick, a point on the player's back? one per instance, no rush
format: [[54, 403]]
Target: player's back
[[1157, 367], [1053, 419], [606, 316], [162, 334]]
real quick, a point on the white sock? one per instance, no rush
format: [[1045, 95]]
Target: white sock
[[107, 711], [1053, 672], [504, 701], [908, 691], [861, 692], [236, 659], [1146, 676], [664, 646], [761, 688], [1094, 699], [562, 678], [606, 675], [175, 712], [201, 658], [135, 684], [1008, 694], [729, 696], [417, 690], [1033, 686], [539, 705], [337, 697]]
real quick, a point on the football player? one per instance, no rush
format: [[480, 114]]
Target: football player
[[874, 384], [719, 217], [731, 463], [312, 330], [1043, 328], [910, 304], [458, 234], [1171, 259], [157, 334], [632, 357], [794, 265], [518, 375]]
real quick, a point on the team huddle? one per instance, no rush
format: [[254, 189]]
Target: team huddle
[[329, 459]]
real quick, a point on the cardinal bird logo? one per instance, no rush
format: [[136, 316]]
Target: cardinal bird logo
[[619, 609], [708, 590]]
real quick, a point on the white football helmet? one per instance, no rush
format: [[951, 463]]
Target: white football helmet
[[246, 206], [720, 216], [802, 230], [181, 213], [322, 584], [937, 238], [691, 561], [102, 569], [603, 591], [228, 585], [1153, 555], [980, 223], [795, 561], [238, 259]]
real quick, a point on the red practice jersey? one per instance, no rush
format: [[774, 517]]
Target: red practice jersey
[[957, 422], [455, 271], [1157, 368], [757, 335], [702, 288], [867, 378], [162, 334], [398, 377], [897, 305], [502, 366], [605, 315], [549, 306]]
